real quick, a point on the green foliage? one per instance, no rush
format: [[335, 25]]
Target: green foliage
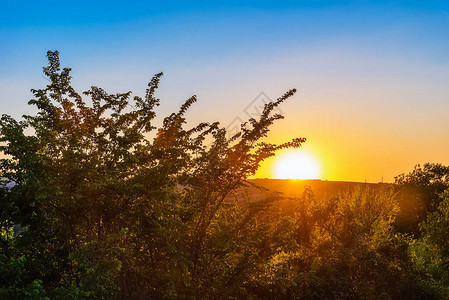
[[419, 192], [343, 247], [14, 282], [430, 253], [110, 211]]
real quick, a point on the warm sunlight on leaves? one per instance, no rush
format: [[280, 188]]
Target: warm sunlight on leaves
[[296, 164]]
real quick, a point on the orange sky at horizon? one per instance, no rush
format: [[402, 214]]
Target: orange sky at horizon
[[371, 139], [360, 154]]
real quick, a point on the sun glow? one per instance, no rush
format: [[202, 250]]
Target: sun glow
[[296, 165]]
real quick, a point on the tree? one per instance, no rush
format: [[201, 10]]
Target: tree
[[106, 211], [419, 192]]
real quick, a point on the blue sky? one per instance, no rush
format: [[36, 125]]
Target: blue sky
[[379, 70]]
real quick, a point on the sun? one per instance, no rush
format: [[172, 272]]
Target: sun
[[296, 165]]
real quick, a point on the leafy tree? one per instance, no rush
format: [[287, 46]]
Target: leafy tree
[[433, 176], [419, 192], [107, 211]]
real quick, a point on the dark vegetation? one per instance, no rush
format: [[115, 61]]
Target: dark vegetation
[[92, 208]]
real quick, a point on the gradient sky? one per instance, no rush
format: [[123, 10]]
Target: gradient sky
[[373, 80]]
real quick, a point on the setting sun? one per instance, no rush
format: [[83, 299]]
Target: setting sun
[[296, 165]]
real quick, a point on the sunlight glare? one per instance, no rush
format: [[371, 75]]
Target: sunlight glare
[[296, 165]]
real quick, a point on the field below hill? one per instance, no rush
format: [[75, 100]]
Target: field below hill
[[293, 190]]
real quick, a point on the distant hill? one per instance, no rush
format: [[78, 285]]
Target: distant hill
[[295, 188]]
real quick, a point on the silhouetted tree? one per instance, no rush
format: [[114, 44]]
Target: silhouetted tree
[[419, 194], [107, 211]]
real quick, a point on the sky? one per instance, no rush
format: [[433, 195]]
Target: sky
[[372, 79]]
